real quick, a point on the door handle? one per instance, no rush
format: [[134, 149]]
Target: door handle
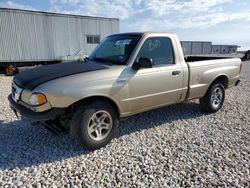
[[176, 73], [122, 80]]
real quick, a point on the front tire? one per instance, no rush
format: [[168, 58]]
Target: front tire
[[213, 99], [94, 125]]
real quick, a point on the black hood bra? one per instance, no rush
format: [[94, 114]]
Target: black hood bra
[[29, 79]]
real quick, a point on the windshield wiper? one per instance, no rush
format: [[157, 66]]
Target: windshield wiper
[[102, 60], [85, 59]]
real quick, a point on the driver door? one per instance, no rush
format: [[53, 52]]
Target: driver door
[[157, 86]]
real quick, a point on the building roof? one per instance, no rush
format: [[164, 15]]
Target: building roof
[[196, 41], [54, 13], [226, 45]]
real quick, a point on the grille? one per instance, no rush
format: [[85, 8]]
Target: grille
[[16, 92]]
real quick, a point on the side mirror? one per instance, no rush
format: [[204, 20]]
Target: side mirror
[[143, 63]]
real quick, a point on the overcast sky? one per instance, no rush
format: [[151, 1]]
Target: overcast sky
[[219, 21]]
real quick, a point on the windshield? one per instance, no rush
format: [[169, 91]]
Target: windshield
[[115, 49]]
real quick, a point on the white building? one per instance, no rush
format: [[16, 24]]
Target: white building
[[205, 48], [27, 36]]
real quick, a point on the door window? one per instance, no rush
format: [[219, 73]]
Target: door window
[[159, 49]]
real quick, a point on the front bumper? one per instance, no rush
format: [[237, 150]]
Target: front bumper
[[38, 116]]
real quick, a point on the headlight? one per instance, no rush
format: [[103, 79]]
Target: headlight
[[37, 99]]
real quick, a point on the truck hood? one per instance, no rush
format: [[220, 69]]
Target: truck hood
[[31, 78]]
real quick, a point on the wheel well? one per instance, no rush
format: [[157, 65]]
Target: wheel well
[[222, 79], [92, 99]]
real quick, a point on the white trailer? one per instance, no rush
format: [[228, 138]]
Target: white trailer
[[32, 37]]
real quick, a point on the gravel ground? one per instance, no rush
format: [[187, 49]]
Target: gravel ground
[[173, 146]]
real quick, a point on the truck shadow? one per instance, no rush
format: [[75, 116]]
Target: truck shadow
[[24, 145]]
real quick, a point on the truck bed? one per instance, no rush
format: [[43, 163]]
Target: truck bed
[[203, 71], [204, 58]]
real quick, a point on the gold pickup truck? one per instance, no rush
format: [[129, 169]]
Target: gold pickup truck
[[126, 74]]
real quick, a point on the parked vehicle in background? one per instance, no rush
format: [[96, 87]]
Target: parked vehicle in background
[[246, 56], [126, 74]]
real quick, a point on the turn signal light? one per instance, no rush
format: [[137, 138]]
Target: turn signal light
[[37, 99]]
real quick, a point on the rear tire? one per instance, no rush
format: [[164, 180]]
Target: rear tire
[[214, 98], [94, 125]]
